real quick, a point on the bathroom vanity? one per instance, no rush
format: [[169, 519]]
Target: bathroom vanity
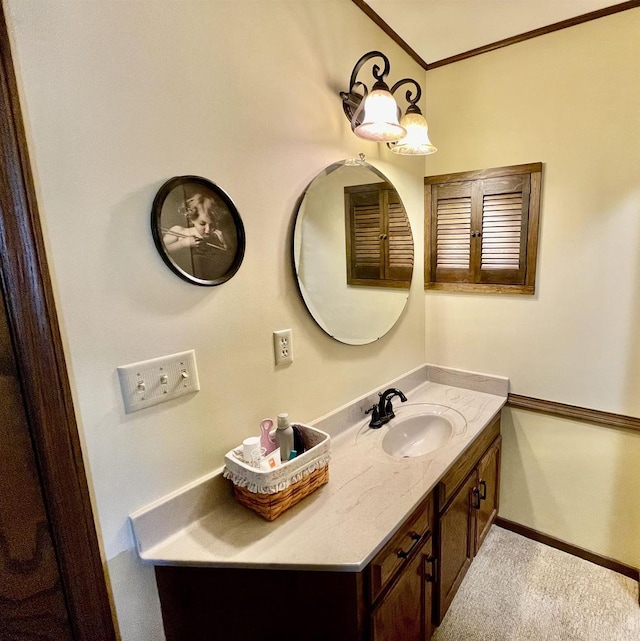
[[375, 555]]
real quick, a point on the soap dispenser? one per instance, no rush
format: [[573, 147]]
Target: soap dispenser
[[284, 437]]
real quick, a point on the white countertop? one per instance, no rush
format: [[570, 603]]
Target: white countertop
[[342, 525]]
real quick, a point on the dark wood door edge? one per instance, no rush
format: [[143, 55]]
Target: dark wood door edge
[[557, 26], [558, 544], [561, 410], [43, 376]]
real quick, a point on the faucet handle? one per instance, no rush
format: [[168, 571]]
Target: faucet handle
[[374, 409], [375, 417]]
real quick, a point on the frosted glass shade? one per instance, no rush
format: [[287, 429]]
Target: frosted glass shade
[[416, 142], [380, 121]]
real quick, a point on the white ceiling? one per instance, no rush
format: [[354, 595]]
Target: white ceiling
[[438, 29]]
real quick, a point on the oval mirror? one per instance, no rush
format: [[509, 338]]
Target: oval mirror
[[353, 252]]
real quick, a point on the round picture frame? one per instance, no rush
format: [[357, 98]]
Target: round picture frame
[[197, 230]]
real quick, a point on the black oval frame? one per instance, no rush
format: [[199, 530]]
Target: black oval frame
[[156, 228]]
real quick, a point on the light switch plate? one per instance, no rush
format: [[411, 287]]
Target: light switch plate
[[158, 380]]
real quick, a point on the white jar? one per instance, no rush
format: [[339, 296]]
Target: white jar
[[251, 450]]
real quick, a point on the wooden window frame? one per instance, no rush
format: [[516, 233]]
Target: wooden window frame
[[527, 287]]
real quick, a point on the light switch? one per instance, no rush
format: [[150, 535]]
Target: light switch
[[158, 380]]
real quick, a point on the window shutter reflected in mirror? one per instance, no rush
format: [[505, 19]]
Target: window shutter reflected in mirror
[[364, 246], [400, 240], [379, 243]]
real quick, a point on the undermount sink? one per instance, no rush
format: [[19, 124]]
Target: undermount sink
[[420, 429]]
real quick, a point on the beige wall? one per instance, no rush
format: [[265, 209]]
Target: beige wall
[[118, 97], [570, 99], [575, 481]]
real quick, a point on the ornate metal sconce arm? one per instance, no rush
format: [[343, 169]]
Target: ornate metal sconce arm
[[352, 100], [410, 98], [378, 74]]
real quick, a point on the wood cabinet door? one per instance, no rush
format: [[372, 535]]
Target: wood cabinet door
[[456, 536], [405, 612], [489, 488]]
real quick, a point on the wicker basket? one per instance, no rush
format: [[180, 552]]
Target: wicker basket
[[270, 493], [271, 506]]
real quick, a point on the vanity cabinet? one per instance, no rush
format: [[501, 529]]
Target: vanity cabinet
[[402, 594], [467, 506], [392, 594]]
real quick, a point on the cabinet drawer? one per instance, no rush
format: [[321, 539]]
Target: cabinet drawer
[[393, 556]]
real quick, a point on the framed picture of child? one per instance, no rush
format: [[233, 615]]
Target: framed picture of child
[[197, 230]]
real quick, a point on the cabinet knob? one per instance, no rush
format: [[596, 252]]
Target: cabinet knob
[[483, 495]]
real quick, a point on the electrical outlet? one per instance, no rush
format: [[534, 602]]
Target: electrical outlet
[[283, 346], [157, 380]]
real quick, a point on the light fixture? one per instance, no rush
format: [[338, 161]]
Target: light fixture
[[374, 114], [416, 141]]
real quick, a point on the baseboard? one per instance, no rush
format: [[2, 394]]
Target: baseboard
[[598, 559]]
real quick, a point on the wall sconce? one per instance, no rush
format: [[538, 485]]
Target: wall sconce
[[374, 114]]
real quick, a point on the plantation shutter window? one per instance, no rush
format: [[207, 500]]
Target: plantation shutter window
[[481, 230], [379, 243], [453, 232]]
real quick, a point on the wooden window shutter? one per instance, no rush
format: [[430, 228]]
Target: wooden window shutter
[[505, 217], [481, 229], [451, 232]]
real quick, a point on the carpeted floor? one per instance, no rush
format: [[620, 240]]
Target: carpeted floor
[[520, 590]]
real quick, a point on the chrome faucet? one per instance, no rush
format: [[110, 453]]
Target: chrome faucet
[[382, 413]]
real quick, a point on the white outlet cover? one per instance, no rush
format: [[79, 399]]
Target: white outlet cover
[[158, 380], [283, 346]]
